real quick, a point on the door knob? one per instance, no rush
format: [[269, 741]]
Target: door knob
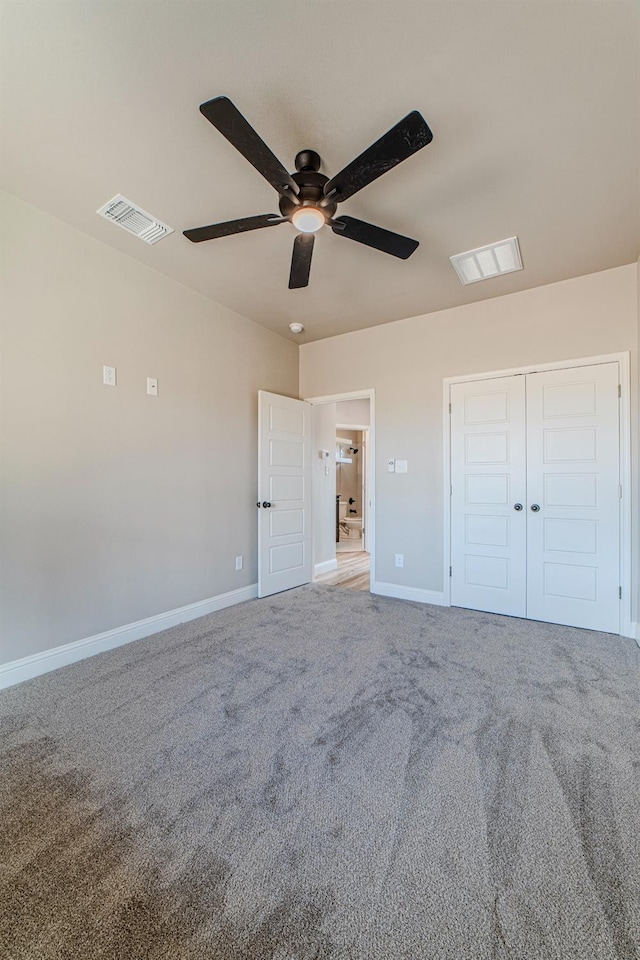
[[535, 507], [517, 506], [265, 503]]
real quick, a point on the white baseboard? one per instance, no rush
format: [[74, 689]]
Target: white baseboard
[[409, 593], [631, 630], [325, 567], [38, 663]]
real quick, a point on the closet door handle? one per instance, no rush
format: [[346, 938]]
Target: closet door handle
[[517, 506], [265, 503], [535, 507]]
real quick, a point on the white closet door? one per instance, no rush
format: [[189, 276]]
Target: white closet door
[[488, 476], [573, 550]]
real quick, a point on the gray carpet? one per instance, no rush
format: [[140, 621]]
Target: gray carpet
[[327, 775]]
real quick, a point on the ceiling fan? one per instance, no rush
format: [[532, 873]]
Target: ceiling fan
[[309, 199]]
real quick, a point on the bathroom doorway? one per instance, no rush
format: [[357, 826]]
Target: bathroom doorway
[[343, 490], [351, 488]]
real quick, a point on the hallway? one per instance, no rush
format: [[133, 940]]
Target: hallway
[[353, 571]]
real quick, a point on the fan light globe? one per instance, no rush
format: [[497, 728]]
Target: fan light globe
[[308, 219]]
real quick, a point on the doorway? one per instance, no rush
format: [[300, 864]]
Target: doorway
[[343, 494]]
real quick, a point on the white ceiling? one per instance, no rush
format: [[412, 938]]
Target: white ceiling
[[534, 105]]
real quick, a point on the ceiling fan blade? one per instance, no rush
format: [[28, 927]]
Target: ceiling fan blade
[[227, 229], [372, 236], [229, 121], [301, 261], [406, 138]]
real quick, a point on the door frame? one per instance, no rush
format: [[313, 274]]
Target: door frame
[[371, 473], [623, 361]]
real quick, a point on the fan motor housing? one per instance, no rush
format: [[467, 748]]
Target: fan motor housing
[[311, 183]]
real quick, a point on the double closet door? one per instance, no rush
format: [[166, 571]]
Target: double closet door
[[535, 496]]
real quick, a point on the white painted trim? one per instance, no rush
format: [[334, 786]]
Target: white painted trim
[[626, 479], [339, 397], [325, 567], [369, 395], [416, 594], [39, 663], [633, 633], [446, 491], [623, 361]]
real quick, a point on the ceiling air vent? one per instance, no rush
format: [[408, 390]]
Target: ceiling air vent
[[486, 262], [134, 219]]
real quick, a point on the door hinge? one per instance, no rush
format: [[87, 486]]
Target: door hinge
[[619, 491], [449, 408], [450, 569], [619, 389], [619, 593], [451, 490]]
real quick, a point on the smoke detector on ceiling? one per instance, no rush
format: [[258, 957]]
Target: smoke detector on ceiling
[[134, 219], [486, 262]]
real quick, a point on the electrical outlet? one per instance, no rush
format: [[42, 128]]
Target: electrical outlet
[[238, 563], [109, 376], [399, 560]]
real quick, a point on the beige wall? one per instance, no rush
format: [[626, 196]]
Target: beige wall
[[115, 505], [405, 362]]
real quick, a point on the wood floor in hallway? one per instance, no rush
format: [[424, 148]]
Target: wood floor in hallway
[[353, 571]]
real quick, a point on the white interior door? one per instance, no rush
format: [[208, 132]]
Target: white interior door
[[488, 494], [573, 545], [284, 492]]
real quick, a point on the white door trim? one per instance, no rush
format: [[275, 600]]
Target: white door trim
[[371, 453], [627, 628]]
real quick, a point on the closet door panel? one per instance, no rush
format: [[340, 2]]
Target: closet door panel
[[572, 477], [488, 552]]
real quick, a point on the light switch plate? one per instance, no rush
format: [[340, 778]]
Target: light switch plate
[[391, 466], [152, 386]]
